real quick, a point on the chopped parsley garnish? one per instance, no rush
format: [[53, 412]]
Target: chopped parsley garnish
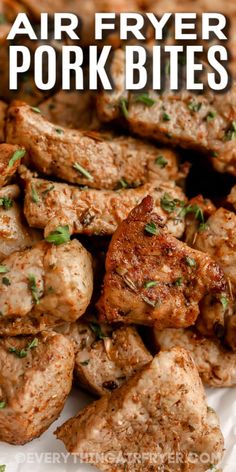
[[224, 302], [96, 328], [23, 352], [211, 115], [166, 117], [83, 171], [60, 236], [161, 162], [214, 154], [178, 282], [203, 227], [230, 134], [33, 288], [124, 107], [194, 106], [123, 184], [144, 98], [85, 362], [6, 203], [150, 283], [6, 281], [196, 210], [2, 405], [34, 194], [170, 204], [3, 269], [3, 468], [151, 228], [16, 156], [59, 130], [190, 261], [35, 109]]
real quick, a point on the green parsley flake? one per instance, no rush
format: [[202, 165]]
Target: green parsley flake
[[85, 363], [96, 328], [151, 228], [231, 132], [3, 269], [166, 117], [34, 194], [224, 302], [144, 98], [83, 171], [124, 107], [36, 110], [3, 468], [178, 282], [33, 288], [190, 261], [6, 203], [59, 130], [194, 106], [60, 236], [49, 189], [170, 204], [16, 156], [23, 352], [2, 405], [161, 162], [123, 184], [150, 283], [211, 115]]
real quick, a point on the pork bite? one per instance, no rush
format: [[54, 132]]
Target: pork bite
[[47, 283], [143, 424], [105, 358], [36, 378], [14, 231], [10, 159], [96, 160], [216, 365], [203, 122], [3, 109], [154, 279], [97, 212]]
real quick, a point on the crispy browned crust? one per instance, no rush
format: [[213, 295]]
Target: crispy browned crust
[[6, 171], [135, 257]]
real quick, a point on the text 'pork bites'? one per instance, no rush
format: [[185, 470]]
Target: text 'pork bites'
[[154, 279], [44, 286]]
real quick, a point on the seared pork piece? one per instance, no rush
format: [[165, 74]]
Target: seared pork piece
[[88, 211], [104, 361], [14, 231], [3, 109], [161, 411], [47, 279], [10, 158], [71, 110], [36, 377], [203, 122], [96, 160], [198, 211], [216, 365], [218, 239], [154, 279]]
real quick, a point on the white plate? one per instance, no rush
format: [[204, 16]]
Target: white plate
[[47, 454]]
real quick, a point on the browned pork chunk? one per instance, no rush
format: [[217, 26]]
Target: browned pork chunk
[[49, 282], [96, 160], [36, 377], [154, 279], [205, 122], [218, 239], [14, 231], [90, 211], [10, 158], [158, 413], [216, 365], [105, 358]]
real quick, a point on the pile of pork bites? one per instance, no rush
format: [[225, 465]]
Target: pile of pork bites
[[112, 277]]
